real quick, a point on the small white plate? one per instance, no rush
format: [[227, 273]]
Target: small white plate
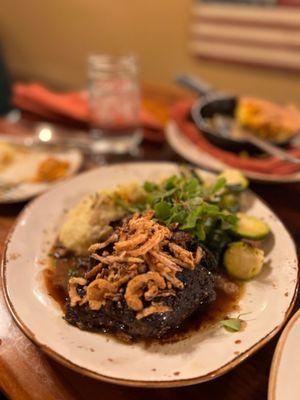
[[186, 149], [19, 172], [284, 381], [267, 300]]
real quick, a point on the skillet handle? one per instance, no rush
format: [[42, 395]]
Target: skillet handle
[[271, 149], [195, 84]]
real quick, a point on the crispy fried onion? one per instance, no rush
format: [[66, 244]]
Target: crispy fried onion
[[151, 280], [75, 298], [97, 246], [138, 263], [96, 292], [154, 308], [188, 259]]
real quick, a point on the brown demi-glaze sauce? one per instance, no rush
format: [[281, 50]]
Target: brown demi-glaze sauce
[[56, 279], [54, 290], [207, 318], [57, 274]]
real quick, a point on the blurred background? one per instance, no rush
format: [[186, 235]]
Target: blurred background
[[49, 41]]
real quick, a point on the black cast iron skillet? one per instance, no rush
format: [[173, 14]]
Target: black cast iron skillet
[[213, 104]]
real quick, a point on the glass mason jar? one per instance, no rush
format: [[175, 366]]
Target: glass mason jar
[[114, 98]]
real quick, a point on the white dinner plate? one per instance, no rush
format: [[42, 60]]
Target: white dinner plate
[[266, 302], [284, 381], [186, 149], [18, 173]]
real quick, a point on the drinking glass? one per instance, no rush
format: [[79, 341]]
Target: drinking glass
[[114, 99]]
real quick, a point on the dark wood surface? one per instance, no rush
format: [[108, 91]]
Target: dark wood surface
[[26, 373]]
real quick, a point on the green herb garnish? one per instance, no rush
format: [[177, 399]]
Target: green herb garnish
[[232, 324], [196, 207], [73, 272], [130, 207]]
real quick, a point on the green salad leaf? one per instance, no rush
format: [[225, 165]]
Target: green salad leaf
[[195, 206], [162, 210], [232, 324]]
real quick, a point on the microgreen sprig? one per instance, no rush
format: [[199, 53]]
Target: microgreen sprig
[[190, 203]]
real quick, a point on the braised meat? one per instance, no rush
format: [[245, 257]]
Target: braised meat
[[143, 281]]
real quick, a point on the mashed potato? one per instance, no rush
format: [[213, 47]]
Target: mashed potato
[[89, 220]]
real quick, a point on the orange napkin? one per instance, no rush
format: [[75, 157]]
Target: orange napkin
[[180, 113], [70, 107]]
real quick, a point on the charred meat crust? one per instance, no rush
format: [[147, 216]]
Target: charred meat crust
[[168, 277], [117, 317]]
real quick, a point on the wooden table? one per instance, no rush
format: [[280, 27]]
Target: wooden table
[[26, 373]]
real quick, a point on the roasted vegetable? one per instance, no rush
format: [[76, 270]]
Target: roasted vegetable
[[235, 180], [249, 227], [243, 261]]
